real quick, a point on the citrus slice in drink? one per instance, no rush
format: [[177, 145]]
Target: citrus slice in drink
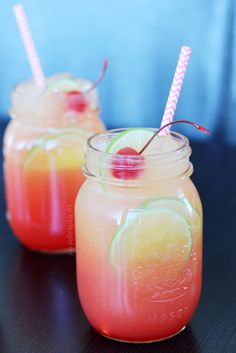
[[134, 138], [182, 206], [66, 83], [60, 149], [127, 163], [152, 239]]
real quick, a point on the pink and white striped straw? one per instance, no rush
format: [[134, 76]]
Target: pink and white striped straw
[[29, 45], [175, 88]]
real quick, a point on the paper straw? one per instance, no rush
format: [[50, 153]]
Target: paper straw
[[29, 45], [175, 88]]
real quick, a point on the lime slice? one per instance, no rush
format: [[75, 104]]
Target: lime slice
[[60, 149], [181, 206], [64, 85], [153, 237], [135, 138]]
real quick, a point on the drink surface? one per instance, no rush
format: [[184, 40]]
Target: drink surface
[[44, 153], [56, 103], [140, 251]]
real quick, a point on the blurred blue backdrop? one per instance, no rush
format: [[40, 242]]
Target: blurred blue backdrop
[[142, 39]]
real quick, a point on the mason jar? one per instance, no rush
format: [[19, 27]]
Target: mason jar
[[138, 239], [43, 154]]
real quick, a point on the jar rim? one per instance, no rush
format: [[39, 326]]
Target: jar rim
[[128, 170], [19, 88], [184, 143], [48, 104]]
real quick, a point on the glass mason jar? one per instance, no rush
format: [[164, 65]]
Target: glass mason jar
[[139, 241], [43, 154]]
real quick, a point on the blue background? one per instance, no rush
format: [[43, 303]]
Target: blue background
[[142, 39]]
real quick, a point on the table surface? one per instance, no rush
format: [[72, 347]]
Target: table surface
[[39, 306]]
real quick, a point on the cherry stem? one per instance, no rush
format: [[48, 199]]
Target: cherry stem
[[199, 127], [100, 77]]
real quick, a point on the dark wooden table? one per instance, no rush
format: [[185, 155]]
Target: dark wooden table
[[39, 307]]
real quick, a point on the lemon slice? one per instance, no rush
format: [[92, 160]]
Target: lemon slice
[[60, 149], [135, 138], [153, 237]]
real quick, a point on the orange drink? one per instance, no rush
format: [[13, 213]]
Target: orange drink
[[139, 236], [43, 151]]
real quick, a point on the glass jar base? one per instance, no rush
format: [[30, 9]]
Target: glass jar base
[[143, 342]]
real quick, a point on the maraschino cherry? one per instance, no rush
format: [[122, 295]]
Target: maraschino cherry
[[77, 100], [127, 167], [131, 164]]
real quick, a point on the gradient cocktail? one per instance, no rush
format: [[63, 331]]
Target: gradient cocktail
[[139, 236], [43, 149]]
